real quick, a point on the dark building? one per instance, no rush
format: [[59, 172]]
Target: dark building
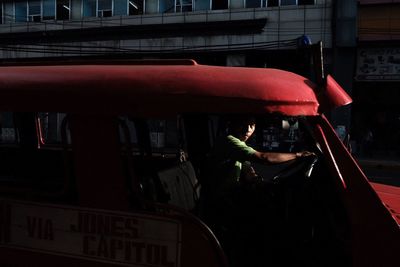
[[223, 32], [376, 94]]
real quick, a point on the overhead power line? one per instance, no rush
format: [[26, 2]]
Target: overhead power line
[[100, 50]]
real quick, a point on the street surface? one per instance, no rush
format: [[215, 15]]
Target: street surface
[[382, 171]]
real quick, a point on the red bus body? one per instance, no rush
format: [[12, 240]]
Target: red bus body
[[44, 230]]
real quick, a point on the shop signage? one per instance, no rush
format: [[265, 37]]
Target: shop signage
[[378, 64]]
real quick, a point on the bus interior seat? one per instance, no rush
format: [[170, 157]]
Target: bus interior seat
[[180, 184]]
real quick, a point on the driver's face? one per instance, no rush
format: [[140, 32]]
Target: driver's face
[[247, 131]]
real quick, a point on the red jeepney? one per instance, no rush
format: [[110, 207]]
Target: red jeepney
[[100, 166]]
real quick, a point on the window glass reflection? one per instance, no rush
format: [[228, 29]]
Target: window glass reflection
[[253, 3]]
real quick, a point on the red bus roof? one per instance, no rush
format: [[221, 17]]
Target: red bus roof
[[157, 89]]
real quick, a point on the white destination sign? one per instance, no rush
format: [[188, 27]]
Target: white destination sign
[[121, 238]]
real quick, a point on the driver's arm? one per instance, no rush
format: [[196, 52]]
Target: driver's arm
[[278, 157]]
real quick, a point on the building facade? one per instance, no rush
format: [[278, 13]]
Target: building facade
[[223, 32], [376, 111]]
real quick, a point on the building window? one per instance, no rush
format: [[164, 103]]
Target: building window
[[272, 3], [89, 8], [167, 6], [135, 7], [104, 8], [183, 5], [120, 8], [202, 4], [34, 10], [63, 9], [8, 12], [219, 4], [21, 10], [49, 9], [253, 3], [306, 2], [288, 2]]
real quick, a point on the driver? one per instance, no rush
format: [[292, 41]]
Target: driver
[[228, 165]]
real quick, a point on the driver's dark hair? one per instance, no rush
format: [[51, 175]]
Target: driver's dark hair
[[237, 121]]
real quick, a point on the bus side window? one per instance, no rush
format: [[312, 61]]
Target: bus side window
[[28, 162], [164, 135], [52, 132], [7, 147], [7, 128], [153, 148], [150, 136]]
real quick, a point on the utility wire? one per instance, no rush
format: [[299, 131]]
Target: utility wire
[[90, 50]]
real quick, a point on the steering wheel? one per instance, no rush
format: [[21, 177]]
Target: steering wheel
[[304, 166], [294, 201]]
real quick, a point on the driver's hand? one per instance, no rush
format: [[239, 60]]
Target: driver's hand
[[304, 154], [249, 175]]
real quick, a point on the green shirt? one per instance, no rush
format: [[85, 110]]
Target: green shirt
[[225, 162]]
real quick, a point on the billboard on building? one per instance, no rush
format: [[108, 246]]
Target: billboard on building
[[378, 64]]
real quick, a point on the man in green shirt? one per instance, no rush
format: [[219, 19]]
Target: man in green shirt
[[228, 166], [229, 160]]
